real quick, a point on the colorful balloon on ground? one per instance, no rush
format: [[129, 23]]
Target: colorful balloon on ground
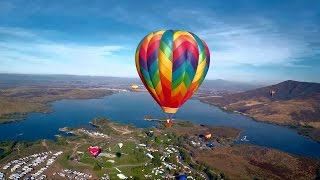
[[94, 151], [172, 65], [182, 177], [207, 135]]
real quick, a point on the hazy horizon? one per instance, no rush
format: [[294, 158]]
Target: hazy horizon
[[259, 41], [258, 83]]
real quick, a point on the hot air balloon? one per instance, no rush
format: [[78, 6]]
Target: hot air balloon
[[134, 87], [120, 145], [207, 135], [181, 177], [94, 151], [272, 92], [172, 65], [168, 123]]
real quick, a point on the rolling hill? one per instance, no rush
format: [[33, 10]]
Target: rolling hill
[[292, 103], [286, 90]]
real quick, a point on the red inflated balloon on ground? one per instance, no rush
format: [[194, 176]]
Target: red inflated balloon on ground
[[94, 151]]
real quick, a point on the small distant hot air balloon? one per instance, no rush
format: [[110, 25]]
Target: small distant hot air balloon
[[120, 145], [168, 123], [272, 93], [172, 65], [134, 87], [94, 151], [118, 154], [207, 135]]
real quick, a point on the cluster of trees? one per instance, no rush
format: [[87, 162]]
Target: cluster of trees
[[181, 140], [156, 159], [9, 146], [62, 141], [186, 157]]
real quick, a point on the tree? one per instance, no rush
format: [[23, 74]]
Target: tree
[[185, 156], [157, 140], [223, 176], [210, 173]]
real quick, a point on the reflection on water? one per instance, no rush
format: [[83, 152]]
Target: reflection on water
[[132, 107]]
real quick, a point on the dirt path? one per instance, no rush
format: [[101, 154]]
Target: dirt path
[[121, 129], [44, 144], [75, 148], [18, 149], [129, 165]]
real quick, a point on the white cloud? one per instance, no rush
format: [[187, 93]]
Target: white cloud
[[44, 56], [253, 40], [241, 46], [258, 42], [16, 32]]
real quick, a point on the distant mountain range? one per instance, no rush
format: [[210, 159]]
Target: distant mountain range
[[15, 80], [231, 86]]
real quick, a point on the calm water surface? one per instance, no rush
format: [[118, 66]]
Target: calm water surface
[[132, 107]]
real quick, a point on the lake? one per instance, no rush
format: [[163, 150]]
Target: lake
[[132, 107]]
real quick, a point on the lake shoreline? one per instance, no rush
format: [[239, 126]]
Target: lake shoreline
[[46, 108], [294, 127], [122, 108]]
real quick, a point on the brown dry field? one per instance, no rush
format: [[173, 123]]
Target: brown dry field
[[302, 114], [248, 162]]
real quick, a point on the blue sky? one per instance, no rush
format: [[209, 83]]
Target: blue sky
[[254, 41]]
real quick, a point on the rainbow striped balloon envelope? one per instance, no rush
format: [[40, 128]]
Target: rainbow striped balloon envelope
[[172, 65]]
